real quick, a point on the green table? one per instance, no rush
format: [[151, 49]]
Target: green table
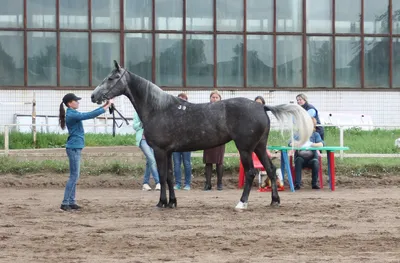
[[285, 165]]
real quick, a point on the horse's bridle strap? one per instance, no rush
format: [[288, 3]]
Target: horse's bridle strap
[[112, 110], [104, 96]]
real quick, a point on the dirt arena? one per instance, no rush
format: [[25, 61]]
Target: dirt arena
[[120, 223]]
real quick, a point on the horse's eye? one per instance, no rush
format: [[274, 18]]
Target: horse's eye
[[110, 78], [117, 76]]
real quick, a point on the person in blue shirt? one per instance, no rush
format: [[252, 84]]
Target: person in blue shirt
[[308, 158], [72, 119]]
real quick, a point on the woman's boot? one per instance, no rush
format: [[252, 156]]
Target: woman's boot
[[208, 171], [220, 171]]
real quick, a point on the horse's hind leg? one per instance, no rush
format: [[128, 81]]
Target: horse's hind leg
[[261, 152], [170, 181], [250, 172]]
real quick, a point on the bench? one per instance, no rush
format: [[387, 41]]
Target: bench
[[285, 164]]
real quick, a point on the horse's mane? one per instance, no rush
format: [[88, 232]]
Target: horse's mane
[[151, 93]]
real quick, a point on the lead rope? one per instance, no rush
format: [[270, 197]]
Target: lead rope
[[112, 110]]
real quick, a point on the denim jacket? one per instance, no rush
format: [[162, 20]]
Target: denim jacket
[[73, 120], [314, 138]]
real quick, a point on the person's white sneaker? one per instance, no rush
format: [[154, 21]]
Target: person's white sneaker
[[158, 187], [146, 187]]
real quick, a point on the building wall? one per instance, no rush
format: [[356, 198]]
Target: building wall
[[344, 54]]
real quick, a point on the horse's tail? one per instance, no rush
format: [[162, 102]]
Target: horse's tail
[[301, 118]]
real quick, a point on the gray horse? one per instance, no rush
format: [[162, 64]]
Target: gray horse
[[175, 125]]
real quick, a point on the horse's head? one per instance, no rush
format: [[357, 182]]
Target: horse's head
[[113, 85]]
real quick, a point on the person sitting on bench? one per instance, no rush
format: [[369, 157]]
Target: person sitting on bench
[[308, 158]]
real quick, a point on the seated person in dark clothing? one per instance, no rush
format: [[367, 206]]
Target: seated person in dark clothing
[[308, 158]]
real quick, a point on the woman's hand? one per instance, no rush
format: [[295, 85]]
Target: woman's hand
[[108, 103]]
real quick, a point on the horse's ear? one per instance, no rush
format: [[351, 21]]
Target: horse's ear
[[116, 65]]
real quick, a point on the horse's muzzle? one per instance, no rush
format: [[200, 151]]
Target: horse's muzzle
[[98, 101]]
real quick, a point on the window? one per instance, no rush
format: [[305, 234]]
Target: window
[[376, 61], [319, 62], [199, 15], [260, 15], [230, 15], [260, 61], [169, 14], [138, 14], [289, 61], [42, 59], [396, 62], [376, 17], [74, 14], [105, 14], [319, 16], [200, 60], [138, 54], [11, 58], [289, 15], [169, 60], [347, 16], [230, 60], [74, 59], [12, 16], [347, 62], [105, 49], [41, 13]]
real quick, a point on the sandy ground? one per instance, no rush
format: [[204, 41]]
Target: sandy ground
[[120, 223]]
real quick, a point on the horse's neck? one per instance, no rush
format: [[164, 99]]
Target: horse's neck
[[147, 97]]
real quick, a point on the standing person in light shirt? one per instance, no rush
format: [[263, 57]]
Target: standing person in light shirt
[[182, 157], [151, 165]]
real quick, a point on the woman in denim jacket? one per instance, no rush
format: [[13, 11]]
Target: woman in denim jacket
[[72, 119]]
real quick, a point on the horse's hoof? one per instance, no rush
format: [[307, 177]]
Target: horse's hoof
[[172, 203], [162, 204], [275, 204], [207, 187], [241, 206]]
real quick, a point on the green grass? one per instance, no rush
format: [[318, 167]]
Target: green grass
[[20, 140], [376, 141]]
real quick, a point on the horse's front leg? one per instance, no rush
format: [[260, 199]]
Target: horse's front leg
[[162, 165], [250, 173], [170, 181]]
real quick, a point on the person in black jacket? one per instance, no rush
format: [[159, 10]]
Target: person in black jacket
[[303, 102]]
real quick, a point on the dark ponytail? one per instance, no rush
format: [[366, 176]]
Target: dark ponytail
[[61, 116]]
